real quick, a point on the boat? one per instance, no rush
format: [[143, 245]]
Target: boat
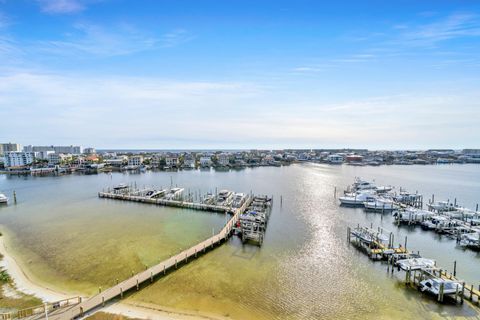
[[368, 236], [380, 204], [433, 222], [3, 198], [356, 199], [383, 189], [441, 206], [415, 263], [174, 194], [361, 184], [413, 216], [470, 240], [433, 285]]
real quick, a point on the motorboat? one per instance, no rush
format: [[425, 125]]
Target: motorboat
[[368, 235], [356, 198], [470, 240], [441, 206], [432, 223], [224, 197], [383, 189], [3, 198], [415, 263], [433, 286], [361, 184], [174, 194], [413, 216], [380, 204]]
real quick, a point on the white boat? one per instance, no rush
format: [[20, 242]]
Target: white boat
[[433, 286], [413, 216], [383, 189], [415, 263], [369, 235], [470, 240], [441, 206], [3, 198], [174, 194], [380, 204], [361, 184], [356, 199]]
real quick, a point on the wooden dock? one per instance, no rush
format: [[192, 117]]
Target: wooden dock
[[148, 275], [166, 202]]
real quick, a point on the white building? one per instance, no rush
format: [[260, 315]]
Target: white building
[[171, 161], [8, 147], [89, 151], [135, 161], [189, 161], [117, 161], [56, 149], [43, 154], [205, 161], [223, 159], [18, 159], [55, 158], [335, 158]]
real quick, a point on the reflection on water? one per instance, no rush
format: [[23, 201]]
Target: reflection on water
[[304, 270]]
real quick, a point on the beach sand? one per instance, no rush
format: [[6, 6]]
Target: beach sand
[[24, 283]]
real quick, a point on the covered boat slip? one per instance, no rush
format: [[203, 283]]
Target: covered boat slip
[[421, 273]]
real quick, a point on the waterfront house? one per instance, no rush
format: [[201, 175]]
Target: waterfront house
[[223, 159], [171, 161], [135, 161], [205, 161], [335, 158]]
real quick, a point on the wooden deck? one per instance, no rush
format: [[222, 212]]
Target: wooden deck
[[148, 275]]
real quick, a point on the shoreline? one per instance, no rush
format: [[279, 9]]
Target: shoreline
[[23, 283]]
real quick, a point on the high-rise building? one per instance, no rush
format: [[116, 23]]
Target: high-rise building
[[56, 149], [7, 147]]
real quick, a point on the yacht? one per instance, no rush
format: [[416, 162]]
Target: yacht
[[356, 198], [3, 198], [360, 184], [380, 204]]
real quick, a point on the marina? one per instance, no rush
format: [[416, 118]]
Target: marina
[[442, 217], [232, 269], [421, 273]]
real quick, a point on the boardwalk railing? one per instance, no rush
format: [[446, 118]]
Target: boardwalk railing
[[40, 309], [134, 282]]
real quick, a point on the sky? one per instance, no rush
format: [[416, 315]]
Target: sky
[[161, 74]]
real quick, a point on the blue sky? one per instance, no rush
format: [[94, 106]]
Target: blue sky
[[240, 74]]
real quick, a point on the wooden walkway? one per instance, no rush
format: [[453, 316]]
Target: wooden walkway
[[148, 275], [165, 202]]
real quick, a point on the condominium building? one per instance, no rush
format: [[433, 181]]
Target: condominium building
[[135, 161], [18, 159], [56, 149], [8, 147]]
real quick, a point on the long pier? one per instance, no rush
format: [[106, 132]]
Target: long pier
[[165, 202], [149, 274]]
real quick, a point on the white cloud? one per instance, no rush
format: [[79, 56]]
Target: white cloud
[[94, 40], [61, 6], [458, 25], [157, 113]]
